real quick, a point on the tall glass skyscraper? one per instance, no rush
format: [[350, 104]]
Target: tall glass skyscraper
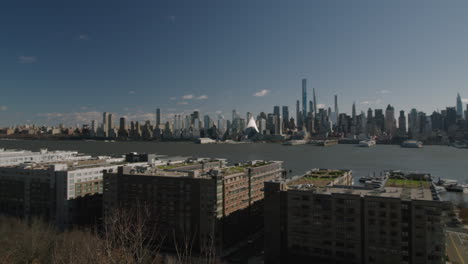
[[304, 97], [459, 106]]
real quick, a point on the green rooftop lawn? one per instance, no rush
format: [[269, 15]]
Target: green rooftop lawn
[[407, 183], [234, 169], [316, 181], [166, 167]]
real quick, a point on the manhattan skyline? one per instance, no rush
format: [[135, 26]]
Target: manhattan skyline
[[74, 61]]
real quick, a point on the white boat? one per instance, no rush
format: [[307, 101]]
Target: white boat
[[440, 189], [367, 143], [294, 142], [412, 144]]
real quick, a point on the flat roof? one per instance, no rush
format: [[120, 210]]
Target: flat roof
[[386, 192]]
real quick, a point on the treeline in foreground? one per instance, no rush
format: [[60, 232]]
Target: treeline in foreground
[[122, 239]]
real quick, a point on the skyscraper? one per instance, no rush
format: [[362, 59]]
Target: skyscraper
[[413, 122], [390, 120], [105, 123], [304, 97], [276, 110], [206, 122], [336, 105], [459, 106], [402, 123], [235, 115], [248, 116], [158, 117], [110, 127], [298, 115], [122, 125], [285, 116], [315, 102]]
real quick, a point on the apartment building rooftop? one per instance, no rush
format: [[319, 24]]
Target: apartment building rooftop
[[387, 192], [174, 163], [410, 186], [317, 178], [409, 180], [69, 165], [186, 169]]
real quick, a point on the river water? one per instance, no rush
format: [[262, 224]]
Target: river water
[[440, 161]]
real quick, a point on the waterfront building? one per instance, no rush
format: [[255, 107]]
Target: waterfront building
[[251, 130], [64, 193], [15, 157], [319, 218], [203, 199]]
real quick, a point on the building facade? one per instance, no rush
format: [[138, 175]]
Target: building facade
[[206, 200], [331, 223]]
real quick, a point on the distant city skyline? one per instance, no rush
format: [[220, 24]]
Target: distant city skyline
[[70, 62]]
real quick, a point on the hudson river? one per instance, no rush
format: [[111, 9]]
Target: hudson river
[[440, 161]]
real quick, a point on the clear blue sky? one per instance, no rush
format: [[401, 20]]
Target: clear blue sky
[[67, 61]]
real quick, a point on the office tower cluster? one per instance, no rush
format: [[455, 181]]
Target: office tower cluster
[[310, 120]]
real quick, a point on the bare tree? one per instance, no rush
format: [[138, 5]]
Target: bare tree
[[131, 236]]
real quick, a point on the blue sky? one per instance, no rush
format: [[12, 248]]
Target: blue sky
[[67, 61]]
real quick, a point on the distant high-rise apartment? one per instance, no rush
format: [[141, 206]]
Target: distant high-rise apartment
[[248, 116], [276, 110], [105, 124], [390, 123], [466, 115], [94, 128], [402, 123], [353, 112], [336, 105], [298, 115], [304, 97], [459, 106], [158, 117], [413, 122], [285, 116], [206, 122], [379, 119], [315, 102]]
